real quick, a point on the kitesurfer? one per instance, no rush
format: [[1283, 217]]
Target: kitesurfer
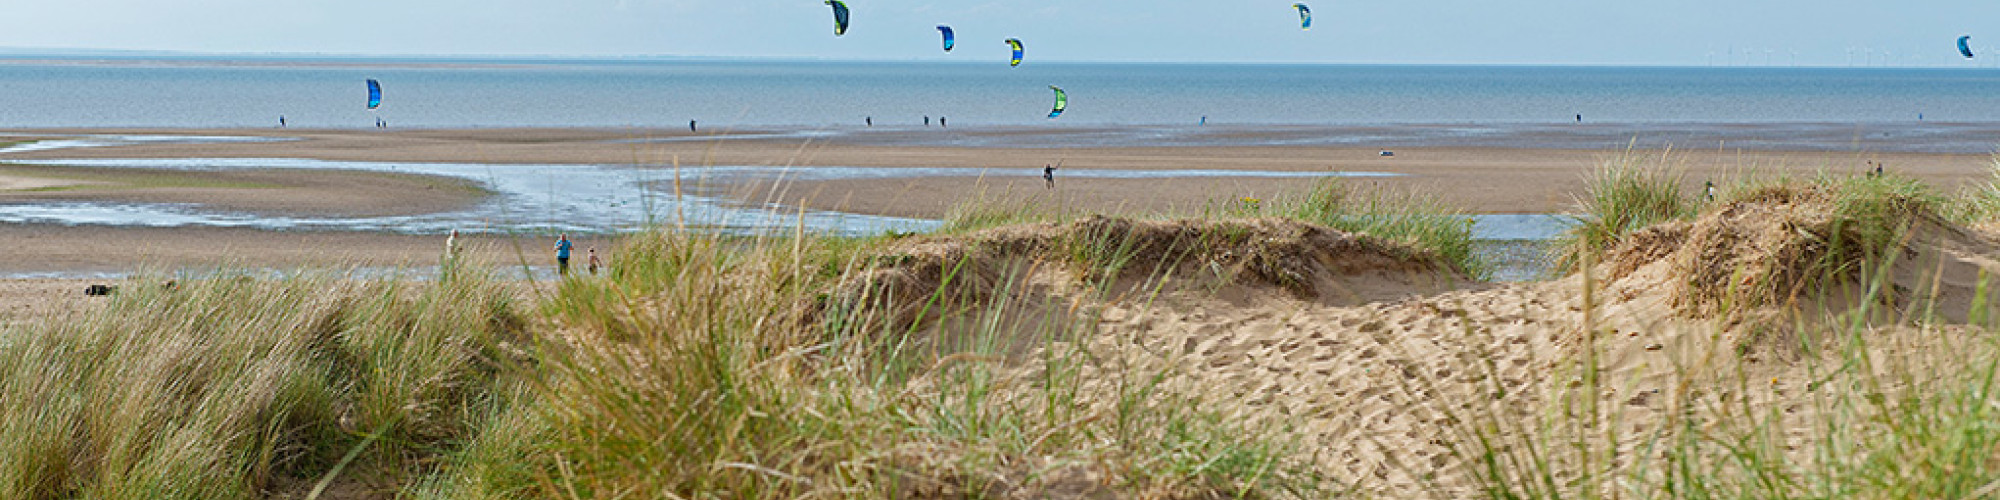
[[1049, 175]]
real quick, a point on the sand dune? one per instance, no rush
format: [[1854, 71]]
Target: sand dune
[[1387, 370]]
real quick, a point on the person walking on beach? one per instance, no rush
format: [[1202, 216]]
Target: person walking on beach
[[1049, 175], [562, 254], [927, 120], [281, 121], [592, 264], [870, 120], [451, 250], [691, 125], [941, 122]]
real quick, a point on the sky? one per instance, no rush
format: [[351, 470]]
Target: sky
[[1563, 32]]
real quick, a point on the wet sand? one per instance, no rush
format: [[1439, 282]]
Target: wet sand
[[277, 192]]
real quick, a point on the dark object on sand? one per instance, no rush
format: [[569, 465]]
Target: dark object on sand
[[99, 290], [1388, 153]]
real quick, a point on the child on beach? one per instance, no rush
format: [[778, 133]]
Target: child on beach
[[562, 254], [593, 263]]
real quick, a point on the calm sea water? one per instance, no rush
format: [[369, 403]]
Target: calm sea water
[[199, 92]]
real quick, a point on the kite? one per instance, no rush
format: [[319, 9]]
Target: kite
[[1305, 16], [1062, 102], [949, 40], [1016, 44], [839, 17], [1963, 48], [374, 94]]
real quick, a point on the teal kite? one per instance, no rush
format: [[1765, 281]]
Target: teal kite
[[1062, 102]]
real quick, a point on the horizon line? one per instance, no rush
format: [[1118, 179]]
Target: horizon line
[[84, 53]]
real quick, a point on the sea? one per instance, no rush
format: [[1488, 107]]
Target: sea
[[1832, 107]]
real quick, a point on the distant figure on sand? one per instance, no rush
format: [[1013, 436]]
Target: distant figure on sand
[[1579, 118], [1049, 175], [1204, 121], [927, 120], [449, 266], [691, 125], [941, 122], [592, 264], [870, 120], [1709, 190], [562, 254], [281, 121]]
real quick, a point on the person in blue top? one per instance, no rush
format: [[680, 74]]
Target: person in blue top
[[562, 254]]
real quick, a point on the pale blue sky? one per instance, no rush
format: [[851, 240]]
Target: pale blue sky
[[1689, 32]]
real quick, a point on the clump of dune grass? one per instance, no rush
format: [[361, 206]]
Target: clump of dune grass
[[987, 210], [1978, 205], [1417, 220], [1626, 194], [243, 388], [692, 371], [1411, 218], [1790, 243]]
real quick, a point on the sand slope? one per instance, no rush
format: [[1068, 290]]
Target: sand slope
[[1387, 390]]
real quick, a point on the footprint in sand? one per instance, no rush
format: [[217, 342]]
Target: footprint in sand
[[1297, 354]]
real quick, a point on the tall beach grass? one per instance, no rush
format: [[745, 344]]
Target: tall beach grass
[[245, 388]]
